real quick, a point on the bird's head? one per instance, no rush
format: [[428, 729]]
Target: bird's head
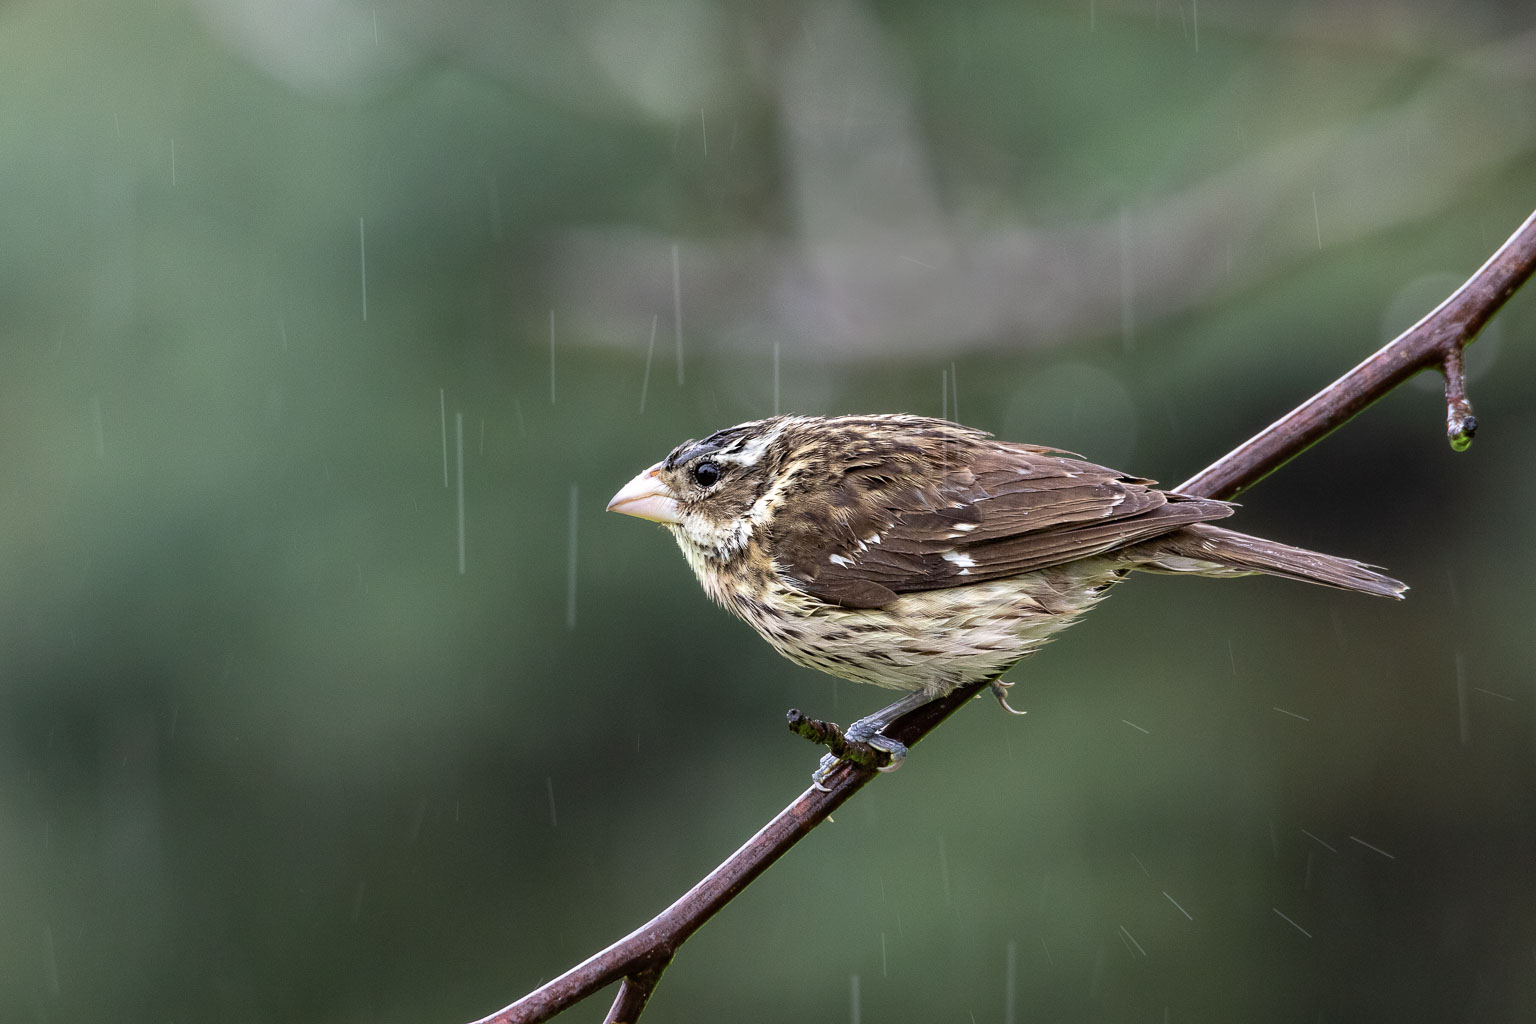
[[773, 493], [714, 494]]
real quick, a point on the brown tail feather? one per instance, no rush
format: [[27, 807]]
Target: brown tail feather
[[1214, 551]]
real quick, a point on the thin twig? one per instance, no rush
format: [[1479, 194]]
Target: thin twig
[[1437, 340], [830, 735]]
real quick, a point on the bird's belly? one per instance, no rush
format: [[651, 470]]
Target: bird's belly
[[932, 640]]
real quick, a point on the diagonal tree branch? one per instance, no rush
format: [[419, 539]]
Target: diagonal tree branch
[[1437, 340]]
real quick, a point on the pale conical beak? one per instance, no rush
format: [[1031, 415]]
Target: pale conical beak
[[646, 497]]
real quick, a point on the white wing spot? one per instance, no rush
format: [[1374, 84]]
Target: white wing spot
[[840, 560], [958, 558]]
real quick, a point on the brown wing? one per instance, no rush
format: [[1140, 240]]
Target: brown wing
[[998, 510]]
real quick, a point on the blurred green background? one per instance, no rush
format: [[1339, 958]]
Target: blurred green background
[[267, 753]]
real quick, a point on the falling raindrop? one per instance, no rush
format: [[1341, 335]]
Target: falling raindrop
[[362, 248], [1317, 222], [704, 131], [1127, 283], [481, 452], [1048, 961], [551, 357], [954, 391], [1131, 941], [650, 350], [173, 163], [677, 311], [885, 967], [1318, 841], [1373, 849], [775, 378], [1293, 924], [442, 408], [853, 997], [1176, 904], [549, 787], [458, 420]]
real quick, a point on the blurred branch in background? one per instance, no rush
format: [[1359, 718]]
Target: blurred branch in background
[[879, 261], [872, 254], [1437, 340]]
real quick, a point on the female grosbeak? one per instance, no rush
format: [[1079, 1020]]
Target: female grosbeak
[[918, 554]]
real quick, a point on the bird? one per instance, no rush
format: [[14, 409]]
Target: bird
[[920, 555]]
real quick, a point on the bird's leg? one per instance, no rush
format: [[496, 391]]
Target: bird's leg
[[870, 731]]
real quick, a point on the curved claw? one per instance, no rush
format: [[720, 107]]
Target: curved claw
[[1000, 691], [894, 749]]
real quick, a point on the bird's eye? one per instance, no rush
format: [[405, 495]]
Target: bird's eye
[[706, 474]]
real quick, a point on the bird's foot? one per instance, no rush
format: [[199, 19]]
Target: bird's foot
[[868, 731], [895, 753], [1000, 691], [863, 744]]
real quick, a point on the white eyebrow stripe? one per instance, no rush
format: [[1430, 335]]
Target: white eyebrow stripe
[[752, 451]]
